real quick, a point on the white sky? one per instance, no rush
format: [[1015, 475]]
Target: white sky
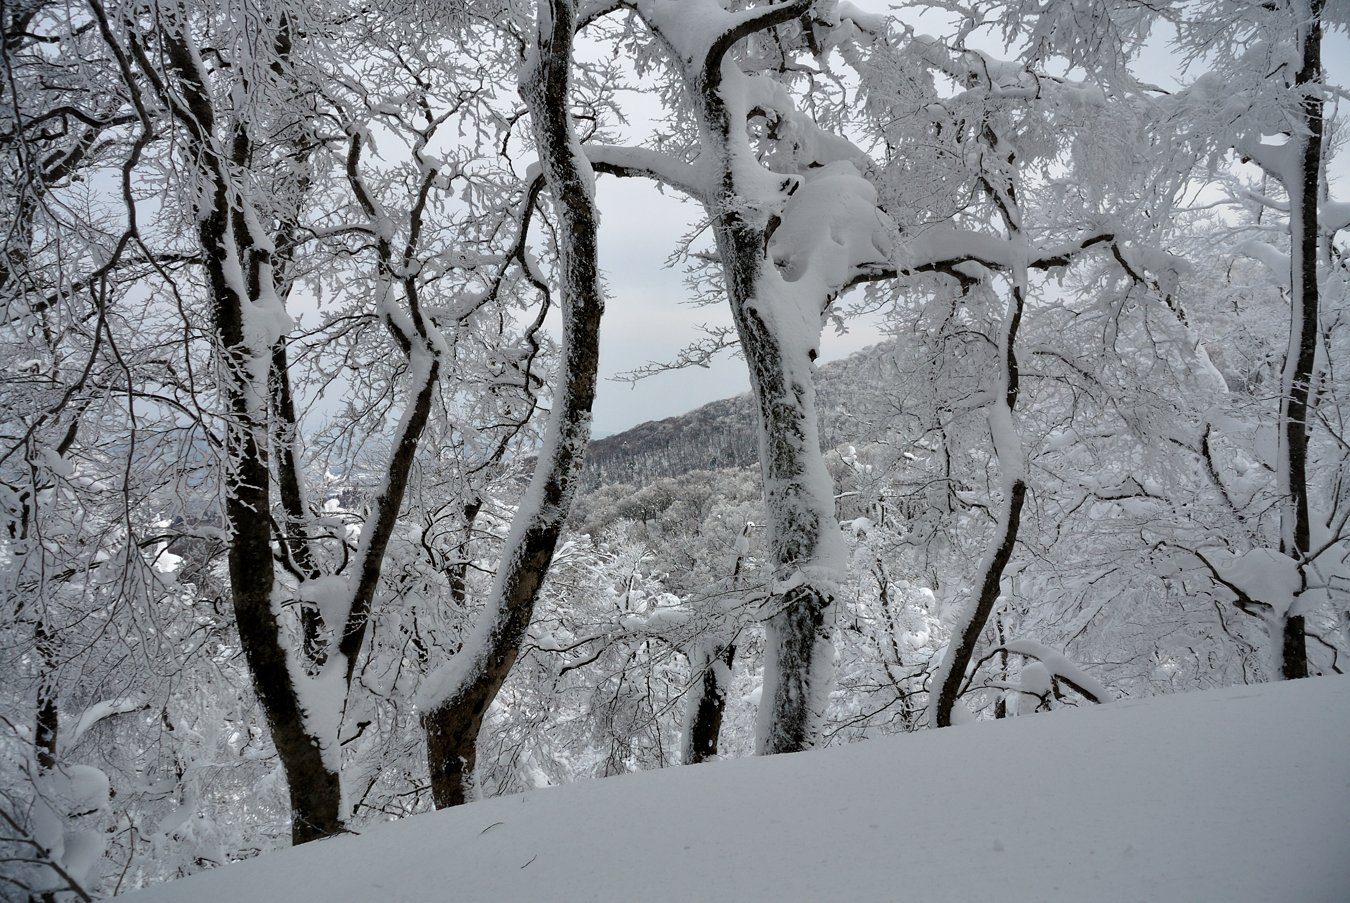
[[648, 319]]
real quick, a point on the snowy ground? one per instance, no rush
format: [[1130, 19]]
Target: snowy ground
[[1232, 795]]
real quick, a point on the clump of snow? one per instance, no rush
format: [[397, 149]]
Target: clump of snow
[[57, 464], [99, 711], [1035, 684], [830, 227], [67, 821], [331, 594], [860, 526]]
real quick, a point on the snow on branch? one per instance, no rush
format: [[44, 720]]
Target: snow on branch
[[703, 32], [982, 74], [748, 22], [597, 9], [102, 710], [43, 856], [961, 253], [630, 162], [1060, 668], [1335, 216]]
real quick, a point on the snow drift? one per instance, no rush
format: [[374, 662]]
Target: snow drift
[[1231, 795]]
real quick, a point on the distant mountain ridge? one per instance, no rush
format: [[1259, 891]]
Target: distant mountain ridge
[[722, 433]]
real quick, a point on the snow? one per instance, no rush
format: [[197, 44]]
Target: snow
[[1276, 261], [1335, 216], [1035, 683], [99, 711], [67, 819], [57, 464], [1140, 800], [1266, 575], [323, 698], [332, 595], [1054, 663], [872, 22], [1007, 444], [830, 230], [692, 179], [166, 562]]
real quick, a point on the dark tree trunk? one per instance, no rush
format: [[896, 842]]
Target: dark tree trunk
[[375, 540], [961, 649], [964, 648], [296, 543], [458, 572], [48, 722], [710, 703], [452, 723], [1305, 326], [315, 788]]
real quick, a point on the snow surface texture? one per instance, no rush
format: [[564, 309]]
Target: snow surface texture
[[1231, 795]]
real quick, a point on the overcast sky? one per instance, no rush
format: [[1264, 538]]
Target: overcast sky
[[648, 317]]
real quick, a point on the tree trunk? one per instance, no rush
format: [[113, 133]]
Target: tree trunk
[[951, 671], [800, 515], [48, 721], [315, 788], [1304, 327], [453, 713], [797, 487], [229, 250], [296, 543], [708, 701]]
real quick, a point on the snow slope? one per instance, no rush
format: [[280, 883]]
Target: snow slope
[[1232, 795]]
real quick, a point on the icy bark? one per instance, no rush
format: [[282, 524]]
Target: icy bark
[[797, 487], [455, 699]]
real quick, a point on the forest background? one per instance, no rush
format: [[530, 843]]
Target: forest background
[[303, 334]]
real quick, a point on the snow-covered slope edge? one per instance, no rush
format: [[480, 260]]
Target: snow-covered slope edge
[[1231, 795]]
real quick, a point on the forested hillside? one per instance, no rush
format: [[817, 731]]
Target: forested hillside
[[852, 391], [304, 305], [716, 435]]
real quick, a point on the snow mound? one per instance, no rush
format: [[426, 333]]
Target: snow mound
[[1236, 795]]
